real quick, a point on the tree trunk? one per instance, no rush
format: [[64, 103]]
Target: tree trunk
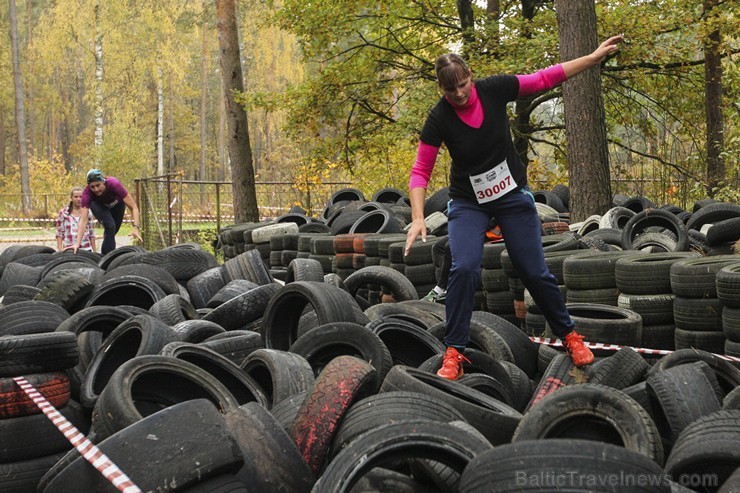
[[98, 85], [29, 86], [588, 158], [171, 168], [3, 145], [240, 152], [203, 107], [160, 124], [80, 93], [20, 112], [713, 103], [523, 106], [493, 13], [467, 24], [222, 154]]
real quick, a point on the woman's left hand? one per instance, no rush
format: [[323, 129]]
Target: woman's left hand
[[608, 47], [136, 234]]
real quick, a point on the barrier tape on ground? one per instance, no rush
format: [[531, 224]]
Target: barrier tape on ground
[[85, 447], [615, 347]]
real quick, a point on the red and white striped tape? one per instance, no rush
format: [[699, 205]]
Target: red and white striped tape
[[615, 347], [85, 447]]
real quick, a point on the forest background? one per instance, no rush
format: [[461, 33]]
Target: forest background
[[338, 90]]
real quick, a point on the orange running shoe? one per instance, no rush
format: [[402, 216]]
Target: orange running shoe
[[452, 364], [579, 353]]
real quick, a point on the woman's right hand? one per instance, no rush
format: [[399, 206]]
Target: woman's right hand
[[418, 227]]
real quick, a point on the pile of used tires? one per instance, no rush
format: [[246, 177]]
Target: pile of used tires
[[313, 370]]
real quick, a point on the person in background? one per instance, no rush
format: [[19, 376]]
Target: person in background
[[487, 179], [68, 221], [107, 199]]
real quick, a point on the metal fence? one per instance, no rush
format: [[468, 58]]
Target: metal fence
[[171, 207]]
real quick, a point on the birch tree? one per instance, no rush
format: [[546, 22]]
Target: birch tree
[[20, 115]]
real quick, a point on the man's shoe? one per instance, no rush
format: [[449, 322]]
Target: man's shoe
[[579, 353], [452, 364], [434, 297]]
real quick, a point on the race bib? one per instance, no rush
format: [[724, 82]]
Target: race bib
[[492, 184]]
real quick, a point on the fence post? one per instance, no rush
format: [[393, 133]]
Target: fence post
[[46, 205], [169, 210], [179, 226], [218, 207]]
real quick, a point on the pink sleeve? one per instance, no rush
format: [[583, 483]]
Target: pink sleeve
[[426, 156], [541, 80]]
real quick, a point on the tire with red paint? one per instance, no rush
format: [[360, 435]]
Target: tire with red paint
[[559, 373], [14, 402], [343, 381]]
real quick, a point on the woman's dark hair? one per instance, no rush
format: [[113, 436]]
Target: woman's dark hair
[[451, 69], [71, 193]]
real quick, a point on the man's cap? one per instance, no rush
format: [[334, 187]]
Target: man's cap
[[95, 175]]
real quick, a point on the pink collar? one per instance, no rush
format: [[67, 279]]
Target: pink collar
[[471, 113]]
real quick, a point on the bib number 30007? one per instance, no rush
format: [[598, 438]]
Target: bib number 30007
[[493, 184]]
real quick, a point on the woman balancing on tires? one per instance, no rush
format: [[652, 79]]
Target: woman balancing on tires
[[488, 179], [107, 199]]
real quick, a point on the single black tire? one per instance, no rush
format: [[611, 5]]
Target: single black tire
[[655, 309], [137, 336], [68, 289], [31, 317], [284, 310], [37, 353], [593, 412], [648, 274], [408, 343], [324, 343], [183, 264], [229, 291], [712, 213], [205, 285], [696, 277], [680, 395], [728, 285], [196, 331], [707, 447], [137, 390], [243, 309], [236, 345], [35, 435], [280, 374], [388, 408], [154, 273], [106, 260], [446, 443], [494, 419], [126, 290], [655, 217], [303, 269], [237, 382], [622, 369], [15, 273], [727, 374], [272, 461], [19, 292], [606, 324], [194, 429], [393, 281]]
